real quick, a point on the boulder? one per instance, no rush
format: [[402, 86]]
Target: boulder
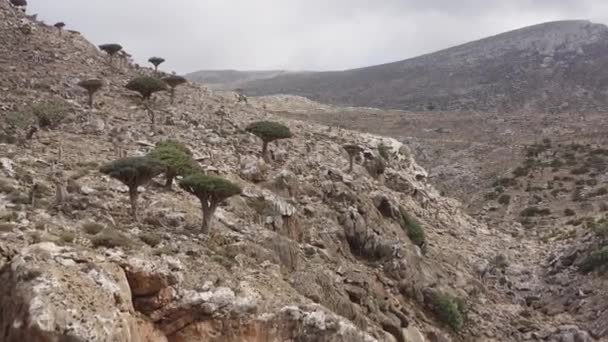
[[50, 293]]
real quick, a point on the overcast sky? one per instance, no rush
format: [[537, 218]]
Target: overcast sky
[[299, 34]]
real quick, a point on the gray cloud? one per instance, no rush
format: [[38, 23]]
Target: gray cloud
[[299, 34]]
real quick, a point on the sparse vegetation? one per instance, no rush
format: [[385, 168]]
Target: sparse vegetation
[[504, 199], [92, 228], [535, 211], [49, 114], [384, 151], [146, 86], [150, 239], [156, 61], [68, 237], [133, 172], [173, 82], [596, 260], [580, 170], [600, 229], [448, 310], [413, 228], [110, 238], [92, 86], [268, 131], [569, 212], [211, 191]]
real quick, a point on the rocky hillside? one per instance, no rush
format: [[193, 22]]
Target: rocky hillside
[[307, 252], [552, 67]]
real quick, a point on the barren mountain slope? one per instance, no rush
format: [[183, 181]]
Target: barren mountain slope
[[308, 252], [552, 67]]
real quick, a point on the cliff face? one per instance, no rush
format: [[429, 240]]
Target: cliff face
[[308, 252], [549, 68]]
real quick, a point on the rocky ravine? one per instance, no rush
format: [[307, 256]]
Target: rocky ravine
[[306, 253]]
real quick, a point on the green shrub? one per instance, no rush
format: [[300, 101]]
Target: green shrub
[[556, 163], [92, 228], [133, 172], [413, 228], [599, 192], [49, 114], [448, 310], [521, 171], [491, 196], [600, 229], [504, 199], [211, 191], [150, 239], [268, 131], [505, 182], [580, 170], [110, 238], [68, 237], [596, 260], [569, 212], [384, 151], [535, 211]]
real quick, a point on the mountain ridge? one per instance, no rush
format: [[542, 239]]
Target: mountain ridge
[[535, 68]]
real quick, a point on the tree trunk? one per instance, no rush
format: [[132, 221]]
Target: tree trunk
[[133, 194], [151, 114], [350, 167], [208, 211], [265, 152], [91, 100], [169, 182], [172, 95]]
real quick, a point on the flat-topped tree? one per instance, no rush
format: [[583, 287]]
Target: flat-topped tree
[[156, 61], [110, 49], [133, 172], [353, 150], [19, 3], [268, 131], [211, 191], [146, 86], [92, 86], [174, 81], [60, 25], [177, 159]]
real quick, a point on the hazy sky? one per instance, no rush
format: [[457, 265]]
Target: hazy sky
[[299, 34]]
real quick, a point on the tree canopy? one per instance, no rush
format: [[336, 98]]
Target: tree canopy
[[269, 131], [176, 158], [92, 85], [146, 86], [134, 171], [110, 49], [211, 189], [174, 80], [156, 61]]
